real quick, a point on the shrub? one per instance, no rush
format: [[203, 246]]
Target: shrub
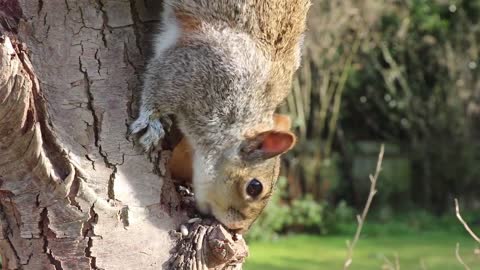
[[304, 215]]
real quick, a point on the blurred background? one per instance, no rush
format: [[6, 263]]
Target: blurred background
[[400, 72]]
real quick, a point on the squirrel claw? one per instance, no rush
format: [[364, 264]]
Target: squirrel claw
[[152, 136], [184, 230], [138, 125]]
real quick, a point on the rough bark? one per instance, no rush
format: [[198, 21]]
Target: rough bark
[[75, 193]]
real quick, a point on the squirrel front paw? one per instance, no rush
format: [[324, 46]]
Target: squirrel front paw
[[152, 136]]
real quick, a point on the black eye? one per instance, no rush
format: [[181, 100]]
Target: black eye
[[254, 188]]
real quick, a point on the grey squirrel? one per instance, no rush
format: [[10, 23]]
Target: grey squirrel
[[222, 67]]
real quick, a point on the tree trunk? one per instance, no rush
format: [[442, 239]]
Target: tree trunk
[[74, 191]]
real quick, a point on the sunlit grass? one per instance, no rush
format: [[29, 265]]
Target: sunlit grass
[[304, 252]]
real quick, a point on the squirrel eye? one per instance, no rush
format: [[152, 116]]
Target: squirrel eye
[[254, 188]]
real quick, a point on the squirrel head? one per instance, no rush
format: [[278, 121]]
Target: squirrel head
[[239, 183]]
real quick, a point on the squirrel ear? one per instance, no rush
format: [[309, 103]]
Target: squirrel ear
[[267, 145], [282, 122]]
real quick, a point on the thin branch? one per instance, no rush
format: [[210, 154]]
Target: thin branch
[[397, 261], [423, 264], [389, 264], [457, 210], [361, 219], [470, 231], [459, 259]]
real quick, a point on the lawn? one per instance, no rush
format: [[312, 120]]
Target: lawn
[[309, 252], [305, 252]]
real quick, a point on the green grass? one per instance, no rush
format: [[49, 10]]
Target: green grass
[[305, 252]]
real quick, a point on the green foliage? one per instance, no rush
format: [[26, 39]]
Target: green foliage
[[338, 218], [428, 16], [344, 213], [414, 81], [304, 215], [403, 72]]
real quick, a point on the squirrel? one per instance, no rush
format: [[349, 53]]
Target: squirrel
[[222, 67]]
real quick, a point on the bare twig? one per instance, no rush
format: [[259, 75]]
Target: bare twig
[[459, 258], [423, 264], [470, 231], [397, 261], [457, 210], [389, 264], [338, 97], [361, 219]]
